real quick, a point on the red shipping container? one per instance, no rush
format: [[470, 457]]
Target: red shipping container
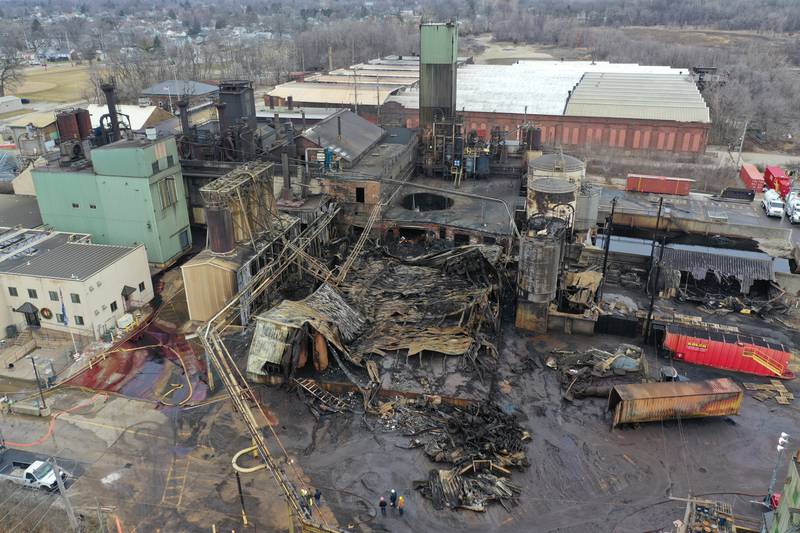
[[751, 177], [659, 184], [729, 351], [776, 179]]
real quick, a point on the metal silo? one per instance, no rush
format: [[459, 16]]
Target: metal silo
[[438, 45], [558, 165], [551, 197], [587, 204]]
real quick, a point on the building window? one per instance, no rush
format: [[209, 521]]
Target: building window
[[53, 296], [169, 195], [32, 294], [170, 161], [141, 287], [155, 167], [75, 206], [12, 291], [113, 306], [183, 238], [59, 318], [78, 320], [360, 195], [92, 206], [76, 299]]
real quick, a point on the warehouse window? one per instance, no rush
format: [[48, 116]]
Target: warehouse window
[[141, 287], [76, 299], [53, 296], [32, 294], [155, 168], [170, 161], [60, 318], [78, 320], [169, 195], [75, 206], [360, 195], [92, 206], [12, 291], [113, 306]]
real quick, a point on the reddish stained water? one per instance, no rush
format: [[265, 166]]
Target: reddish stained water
[[144, 369]]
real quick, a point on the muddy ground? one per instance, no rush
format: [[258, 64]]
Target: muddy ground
[[583, 476]]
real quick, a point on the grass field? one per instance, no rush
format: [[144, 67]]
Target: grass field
[[59, 83]]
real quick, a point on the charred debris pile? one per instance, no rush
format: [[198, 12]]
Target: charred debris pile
[[478, 446]]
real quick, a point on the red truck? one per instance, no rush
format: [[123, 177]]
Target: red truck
[[776, 179]]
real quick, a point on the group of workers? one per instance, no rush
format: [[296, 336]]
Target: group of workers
[[395, 501]]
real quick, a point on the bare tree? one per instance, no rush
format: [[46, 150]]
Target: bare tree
[[11, 64]]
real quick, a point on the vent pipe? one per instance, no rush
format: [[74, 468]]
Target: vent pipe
[[111, 102], [183, 109], [290, 102]]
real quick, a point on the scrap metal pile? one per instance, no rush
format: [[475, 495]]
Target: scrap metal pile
[[482, 443], [445, 302], [594, 372]]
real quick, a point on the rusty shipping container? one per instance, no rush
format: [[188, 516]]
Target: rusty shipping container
[[659, 184], [653, 402], [751, 177]]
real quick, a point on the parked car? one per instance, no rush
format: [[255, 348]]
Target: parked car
[[772, 204]]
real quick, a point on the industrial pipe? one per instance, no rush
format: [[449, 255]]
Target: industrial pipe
[[183, 107], [242, 469], [111, 102]]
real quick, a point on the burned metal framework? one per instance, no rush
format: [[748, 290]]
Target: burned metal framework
[[244, 399]]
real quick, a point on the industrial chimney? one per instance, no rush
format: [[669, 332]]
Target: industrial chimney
[[111, 102]]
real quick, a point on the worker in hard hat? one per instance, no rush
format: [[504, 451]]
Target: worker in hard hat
[[401, 504], [382, 505]]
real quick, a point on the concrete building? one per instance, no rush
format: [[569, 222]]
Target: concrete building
[[131, 193], [44, 275], [38, 124]]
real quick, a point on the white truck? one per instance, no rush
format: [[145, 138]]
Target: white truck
[[772, 204], [36, 474]]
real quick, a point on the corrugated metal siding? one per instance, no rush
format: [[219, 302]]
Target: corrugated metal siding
[[745, 269], [725, 355], [650, 402]]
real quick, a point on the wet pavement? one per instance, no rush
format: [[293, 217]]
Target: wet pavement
[[151, 367]]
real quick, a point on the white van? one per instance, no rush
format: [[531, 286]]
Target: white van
[[772, 204]]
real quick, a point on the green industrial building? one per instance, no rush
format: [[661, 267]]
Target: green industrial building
[[131, 193], [786, 518]]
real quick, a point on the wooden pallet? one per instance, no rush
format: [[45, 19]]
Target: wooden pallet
[[775, 389]]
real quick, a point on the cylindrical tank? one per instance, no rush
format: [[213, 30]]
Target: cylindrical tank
[[536, 143], [560, 165], [540, 259], [551, 197], [84, 120], [220, 230], [482, 166], [67, 125], [587, 204]]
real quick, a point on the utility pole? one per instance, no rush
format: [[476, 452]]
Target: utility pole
[[355, 88], [241, 498], [606, 248], [741, 144], [38, 383], [647, 325], [100, 517], [73, 522], [655, 232]]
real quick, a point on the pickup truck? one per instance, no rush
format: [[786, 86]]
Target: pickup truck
[[772, 204], [37, 474]]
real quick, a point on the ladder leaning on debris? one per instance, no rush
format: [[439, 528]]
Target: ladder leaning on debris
[[330, 401]]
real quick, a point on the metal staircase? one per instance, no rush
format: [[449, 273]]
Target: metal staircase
[[311, 387], [765, 360]]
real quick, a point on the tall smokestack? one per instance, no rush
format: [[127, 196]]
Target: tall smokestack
[[290, 102], [183, 109], [271, 101], [339, 127], [111, 102], [276, 123]]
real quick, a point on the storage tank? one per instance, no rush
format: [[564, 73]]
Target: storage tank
[[587, 204], [67, 125], [540, 260], [551, 197], [84, 120], [559, 165], [220, 230]]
